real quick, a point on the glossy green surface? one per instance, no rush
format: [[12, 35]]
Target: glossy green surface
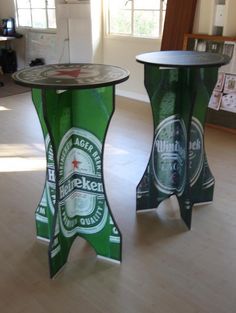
[[76, 122], [45, 210], [178, 164]]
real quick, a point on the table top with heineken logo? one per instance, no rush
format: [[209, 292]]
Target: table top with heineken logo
[[74, 103], [71, 76], [179, 85]]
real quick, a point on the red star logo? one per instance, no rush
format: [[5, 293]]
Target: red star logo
[[72, 73], [75, 163]]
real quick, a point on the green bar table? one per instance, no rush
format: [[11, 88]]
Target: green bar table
[[179, 84], [74, 103]]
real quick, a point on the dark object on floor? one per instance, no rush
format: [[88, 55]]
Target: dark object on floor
[[36, 62], [8, 61]]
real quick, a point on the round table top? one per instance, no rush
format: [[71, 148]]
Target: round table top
[[71, 76], [183, 59]]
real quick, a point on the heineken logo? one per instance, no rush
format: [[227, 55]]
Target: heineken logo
[[164, 146], [71, 74], [169, 154], [89, 184], [82, 203]]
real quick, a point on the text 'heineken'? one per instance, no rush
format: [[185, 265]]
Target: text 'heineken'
[[169, 154], [82, 203]]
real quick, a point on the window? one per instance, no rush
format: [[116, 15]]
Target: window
[[35, 13], [138, 18]]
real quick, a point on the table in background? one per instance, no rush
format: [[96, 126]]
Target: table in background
[[75, 103], [179, 85], [7, 39], [7, 45]]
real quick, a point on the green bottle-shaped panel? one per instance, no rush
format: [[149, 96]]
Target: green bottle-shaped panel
[[77, 121], [177, 164], [45, 210]]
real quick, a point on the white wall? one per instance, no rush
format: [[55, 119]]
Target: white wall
[[203, 16], [230, 18], [79, 32], [6, 8], [122, 52]]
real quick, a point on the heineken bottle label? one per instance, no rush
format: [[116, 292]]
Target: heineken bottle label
[[41, 212], [169, 155], [56, 245], [115, 236], [51, 179], [45, 210], [196, 151], [208, 180], [143, 188], [82, 205]]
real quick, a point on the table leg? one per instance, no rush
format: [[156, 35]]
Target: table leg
[[45, 210], [77, 122], [178, 164]]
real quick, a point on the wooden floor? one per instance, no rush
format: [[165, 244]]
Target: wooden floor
[[10, 87], [165, 268]]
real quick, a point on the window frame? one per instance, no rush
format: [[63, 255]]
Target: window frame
[[107, 28], [43, 29]]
